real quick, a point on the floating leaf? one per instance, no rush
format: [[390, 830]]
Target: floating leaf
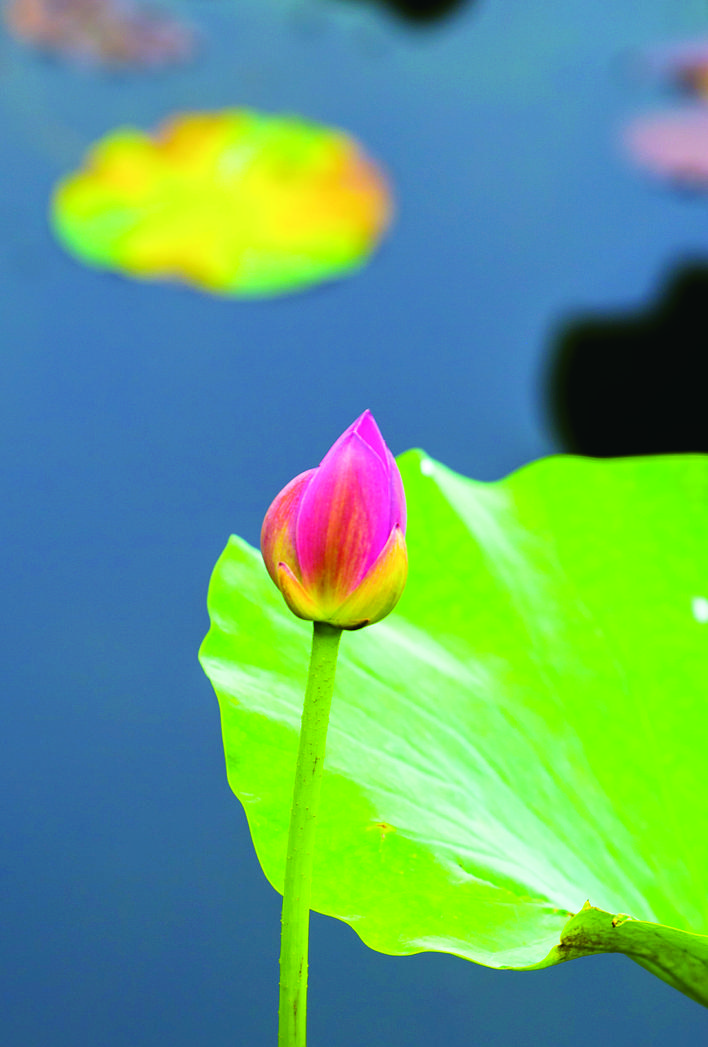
[[233, 202], [527, 730]]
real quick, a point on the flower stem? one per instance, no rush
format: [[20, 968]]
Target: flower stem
[[292, 1015]]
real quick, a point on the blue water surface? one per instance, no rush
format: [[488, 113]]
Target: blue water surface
[[142, 424]]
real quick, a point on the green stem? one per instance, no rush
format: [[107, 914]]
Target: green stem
[[292, 1015]]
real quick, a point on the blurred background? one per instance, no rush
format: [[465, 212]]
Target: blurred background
[[538, 291]]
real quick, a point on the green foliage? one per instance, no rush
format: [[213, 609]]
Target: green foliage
[[527, 730]]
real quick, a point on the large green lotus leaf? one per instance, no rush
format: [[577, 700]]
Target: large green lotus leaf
[[527, 730]]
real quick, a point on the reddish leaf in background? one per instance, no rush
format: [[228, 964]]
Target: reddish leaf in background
[[672, 145], [112, 33]]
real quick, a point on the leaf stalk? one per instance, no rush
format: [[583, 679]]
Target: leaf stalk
[[292, 1013]]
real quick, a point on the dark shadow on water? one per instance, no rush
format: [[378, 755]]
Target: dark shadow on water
[[419, 12], [423, 12], [633, 383]]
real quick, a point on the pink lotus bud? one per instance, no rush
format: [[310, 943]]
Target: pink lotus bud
[[333, 539]]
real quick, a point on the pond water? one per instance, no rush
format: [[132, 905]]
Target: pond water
[[144, 423]]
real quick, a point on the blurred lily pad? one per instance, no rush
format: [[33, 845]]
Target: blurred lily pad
[[526, 731]]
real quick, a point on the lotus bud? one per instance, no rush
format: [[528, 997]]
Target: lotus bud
[[333, 540]]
